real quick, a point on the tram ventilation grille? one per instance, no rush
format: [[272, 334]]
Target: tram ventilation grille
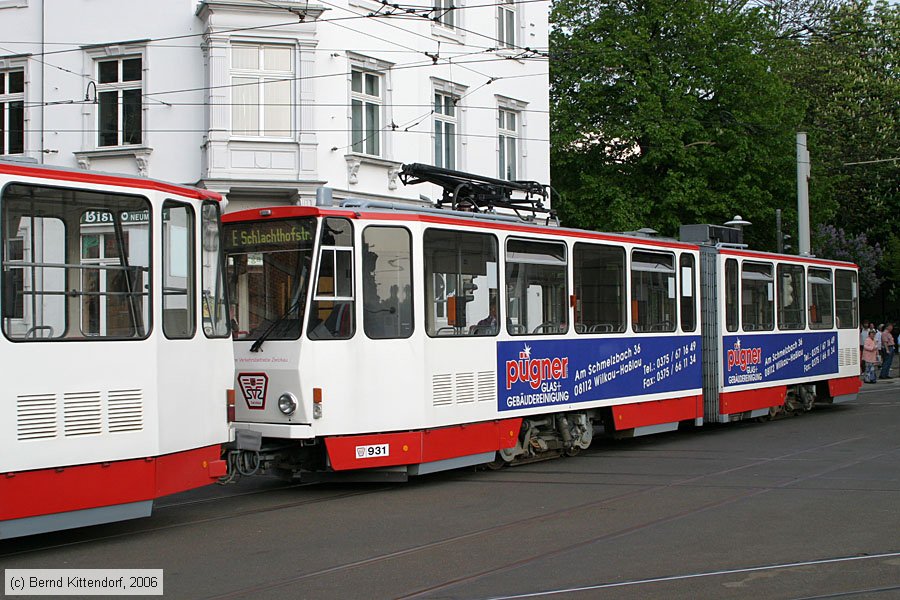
[[848, 357], [36, 417], [125, 410], [465, 388], [487, 390], [442, 389], [82, 413]]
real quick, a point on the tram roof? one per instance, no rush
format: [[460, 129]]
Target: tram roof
[[451, 218], [771, 256], [81, 176]]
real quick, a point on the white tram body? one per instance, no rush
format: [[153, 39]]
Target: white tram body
[[116, 348], [391, 341], [780, 333]]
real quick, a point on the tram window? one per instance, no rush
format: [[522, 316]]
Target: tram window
[[82, 269], [731, 295], [216, 322], [688, 294], [653, 291], [791, 297], [178, 270], [269, 267], [757, 296], [387, 282], [599, 288], [846, 295], [821, 315], [331, 317], [536, 288], [461, 293]]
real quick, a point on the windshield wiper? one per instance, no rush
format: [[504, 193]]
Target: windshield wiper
[[294, 305]]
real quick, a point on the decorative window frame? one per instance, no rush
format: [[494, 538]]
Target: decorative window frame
[[15, 63], [506, 6], [455, 32], [384, 69], [456, 90], [519, 107], [13, 3], [293, 78], [90, 113]]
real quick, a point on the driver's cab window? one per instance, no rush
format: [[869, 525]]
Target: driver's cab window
[[332, 314]]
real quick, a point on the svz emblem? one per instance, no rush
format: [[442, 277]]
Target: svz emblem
[[253, 387]]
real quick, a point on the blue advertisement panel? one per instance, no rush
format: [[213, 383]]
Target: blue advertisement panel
[[758, 358], [533, 373]]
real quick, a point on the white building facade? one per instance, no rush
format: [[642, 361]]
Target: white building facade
[[265, 101]]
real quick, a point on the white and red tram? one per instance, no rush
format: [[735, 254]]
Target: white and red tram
[[116, 346], [402, 341]]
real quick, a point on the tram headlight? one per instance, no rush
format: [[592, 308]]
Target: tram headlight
[[287, 403]]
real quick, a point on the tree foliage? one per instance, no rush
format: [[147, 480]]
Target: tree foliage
[[665, 113], [834, 243]]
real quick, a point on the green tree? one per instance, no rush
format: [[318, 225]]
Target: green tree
[[845, 64], [665, 113]]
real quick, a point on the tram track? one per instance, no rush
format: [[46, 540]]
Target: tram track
[[193, 522], [643, 490]]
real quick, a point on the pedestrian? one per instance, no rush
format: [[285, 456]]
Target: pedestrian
[[863, 336], [870, 356], [887, 350]]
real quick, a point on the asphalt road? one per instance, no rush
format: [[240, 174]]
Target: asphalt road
[[805, 507]]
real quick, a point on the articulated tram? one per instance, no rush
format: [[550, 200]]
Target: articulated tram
[[116, 348], [386, 340]]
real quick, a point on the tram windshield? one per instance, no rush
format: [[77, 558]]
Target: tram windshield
[[268, 264]]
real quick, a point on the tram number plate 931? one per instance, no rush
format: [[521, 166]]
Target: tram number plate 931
[[373, 451]]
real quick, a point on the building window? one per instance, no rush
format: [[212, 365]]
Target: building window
[[261, 80], [12, 112], [119, 96], [444, 12], [508, 138], [506, 24], [366, 101], [445, 126]]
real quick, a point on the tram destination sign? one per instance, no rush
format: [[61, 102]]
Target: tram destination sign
[[535, 373], [259, 234]]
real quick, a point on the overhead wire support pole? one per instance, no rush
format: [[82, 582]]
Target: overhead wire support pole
[[803, 195]]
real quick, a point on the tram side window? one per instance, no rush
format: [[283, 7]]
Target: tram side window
[[331, 317], [536, 288], [178, 270], [387, 282], [461, 293], [731, 295], [653, 291], [599, 288], [688, 293], [791, 298], [216, 321], [846, 295], [76, 264], [821, 309], [757, 296]]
